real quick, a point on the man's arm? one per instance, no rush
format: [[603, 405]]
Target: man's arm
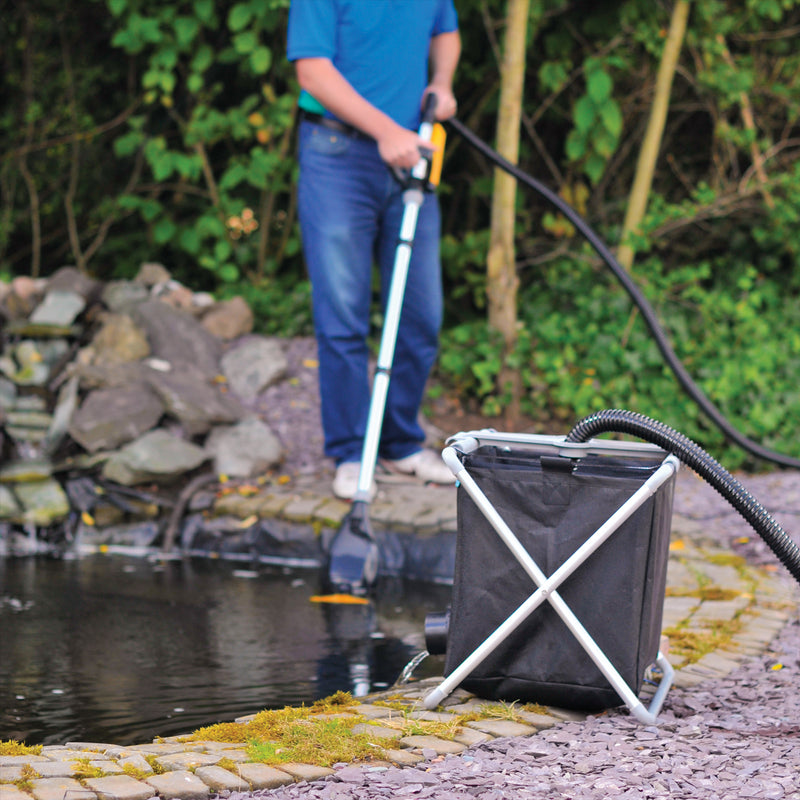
[[398, 146], [445, 51]]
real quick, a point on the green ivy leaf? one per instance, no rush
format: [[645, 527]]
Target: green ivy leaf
[[116, 7], [576, 146], [186, 30], [594, 167], [260, 60], [245, 43], [599, 86], [204, 11], [203, 58], [163, 230], [240, 16], [611, 115], [585, 114]]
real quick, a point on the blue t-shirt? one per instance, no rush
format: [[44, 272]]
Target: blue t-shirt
[[380, 46]]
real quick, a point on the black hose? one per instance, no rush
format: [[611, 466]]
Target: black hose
[[649, 316], [691, 454]]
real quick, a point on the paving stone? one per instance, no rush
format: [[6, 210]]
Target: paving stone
[[471, 737], [11, 773], [432, 716], [719, 610], [119, 787], [376, 731], [502, 727], [97, 747], [10, 761], [440, 746], [187, 761], [719, 663], [108, 767], [163, 749], [59, 753], [306, 772], [180, 784], [261, 776], [219, 779], [59, 789], [10, 792], [136, 761], [539, 721], [301, 509], [403, 757], [55, 769], [371, 711]]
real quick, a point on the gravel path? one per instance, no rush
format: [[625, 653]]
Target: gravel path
[[734, 737]]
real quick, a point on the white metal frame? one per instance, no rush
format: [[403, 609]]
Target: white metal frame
[[463, 444]]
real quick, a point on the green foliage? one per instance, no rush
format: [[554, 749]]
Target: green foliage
[[214, 131]]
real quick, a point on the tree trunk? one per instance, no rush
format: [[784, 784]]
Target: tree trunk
[[645, 166], [502, 280]]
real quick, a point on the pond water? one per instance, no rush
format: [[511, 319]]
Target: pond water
[[120, 650]]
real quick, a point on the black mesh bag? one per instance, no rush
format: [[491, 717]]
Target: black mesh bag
[[553, 504]]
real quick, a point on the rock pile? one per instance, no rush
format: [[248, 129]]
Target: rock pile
[[106, 388]]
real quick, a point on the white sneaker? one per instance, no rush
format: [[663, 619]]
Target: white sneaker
[[345, 482], [425, 464]]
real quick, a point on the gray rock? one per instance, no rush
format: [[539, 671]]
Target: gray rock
[[177, 337], [108, 418], [8, 393], [152, 273], [118, 296], [43, 502], [244, 450], [193, 399], [155, 457], [59, 307], [229, 319], [253, 365], [119, 340], [71, 279]]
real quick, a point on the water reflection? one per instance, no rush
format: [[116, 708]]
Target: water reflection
[[114, 649]]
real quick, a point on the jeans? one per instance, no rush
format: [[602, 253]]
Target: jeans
[[350, 208]]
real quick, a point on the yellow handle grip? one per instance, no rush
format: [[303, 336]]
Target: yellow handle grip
[[438, 138]]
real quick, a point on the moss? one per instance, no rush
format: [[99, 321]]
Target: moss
[[706, 592], [228, 764], [135, 772], [692, 645], [28, 775], [83, 769], [12, 747], [154, 765], [314, 741]]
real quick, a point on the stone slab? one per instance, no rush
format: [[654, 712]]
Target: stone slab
[[219, 779], [440, 746], [10, 792], [119, 787], [187, 761], [502, 727], [60, 788], [181, 785], [261, 776], [306, 772]]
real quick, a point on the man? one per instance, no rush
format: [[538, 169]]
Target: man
[[364, 67]]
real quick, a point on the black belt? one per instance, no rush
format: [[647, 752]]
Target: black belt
[[334, 125]]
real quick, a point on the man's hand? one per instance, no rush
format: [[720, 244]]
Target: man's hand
[[400, 147], [446, 105]]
